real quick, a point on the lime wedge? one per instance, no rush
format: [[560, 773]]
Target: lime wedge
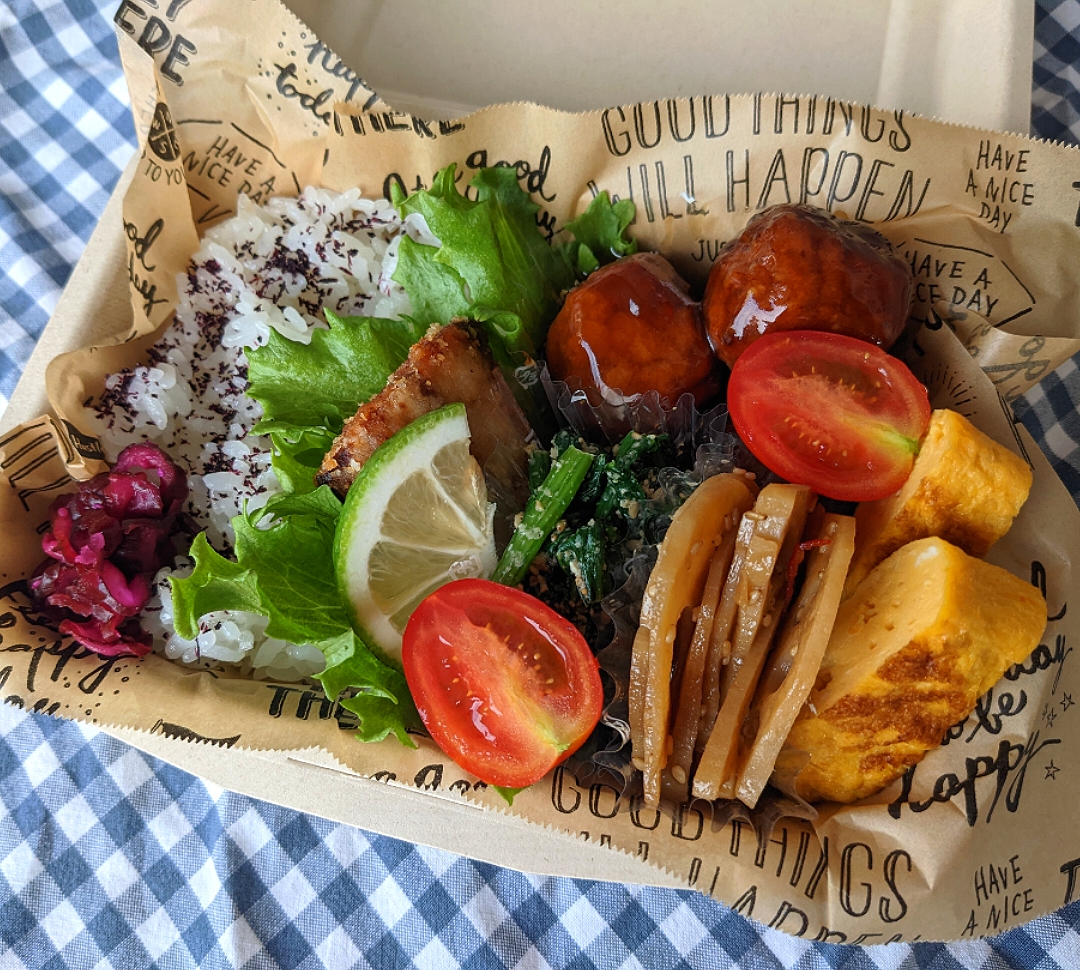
[[416, 518]]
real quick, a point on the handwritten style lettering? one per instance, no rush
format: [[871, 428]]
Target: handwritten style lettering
[[301, 702], [998, 885], [868, 884], [856, 900], [1038, 580], [1030, 365], [650, 124], [1008, 769], [1069, 870], [533, 177], [649, 129], [963, 283], [137, 252], [878, 190], [1002, 188], [224, 162], [1001, 159], [172, 176], [140, 245], [286, 87], [1043, 657], [155, 36], [48, 661], [394, 121], [991, 711], [994, 879], [708, 249], [321, 55]]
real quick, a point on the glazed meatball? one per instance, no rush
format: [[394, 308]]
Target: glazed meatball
[[798, 268], [632, 327]]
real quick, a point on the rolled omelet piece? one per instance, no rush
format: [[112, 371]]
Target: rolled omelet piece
[[964, 487], [927, 633]]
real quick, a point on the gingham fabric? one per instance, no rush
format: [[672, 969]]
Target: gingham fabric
[[1055, 89], [109, 858], [65, 135]]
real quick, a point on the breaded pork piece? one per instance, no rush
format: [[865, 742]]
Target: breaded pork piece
[[446, 366]]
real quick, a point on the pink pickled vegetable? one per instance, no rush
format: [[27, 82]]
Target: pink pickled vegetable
[[106, 540]]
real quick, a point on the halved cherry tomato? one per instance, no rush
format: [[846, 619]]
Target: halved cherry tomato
[[829, 411], [506, 686]]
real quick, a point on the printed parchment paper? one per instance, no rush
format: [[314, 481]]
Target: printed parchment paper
[[240, 97]]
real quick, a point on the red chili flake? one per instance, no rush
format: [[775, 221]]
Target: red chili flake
[[797, 558]]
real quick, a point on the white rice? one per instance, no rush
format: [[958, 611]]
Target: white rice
[[229, 637], [274, 267]]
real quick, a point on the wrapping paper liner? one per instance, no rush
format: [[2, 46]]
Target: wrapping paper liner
[[243, 98]]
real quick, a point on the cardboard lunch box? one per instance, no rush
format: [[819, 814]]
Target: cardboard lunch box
[[906, 58]]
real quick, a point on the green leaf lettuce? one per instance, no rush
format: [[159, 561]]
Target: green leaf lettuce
[[491, 256], [600, 234], [322, 383], [284, 571]]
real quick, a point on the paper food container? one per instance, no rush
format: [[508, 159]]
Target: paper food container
[[978, 838]]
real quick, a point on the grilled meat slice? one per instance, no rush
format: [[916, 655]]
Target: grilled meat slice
[[446, 366]]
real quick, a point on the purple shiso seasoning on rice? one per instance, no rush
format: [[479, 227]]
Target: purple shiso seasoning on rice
[[275, 267]]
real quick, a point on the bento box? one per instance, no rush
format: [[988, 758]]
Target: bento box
[[228, 101]]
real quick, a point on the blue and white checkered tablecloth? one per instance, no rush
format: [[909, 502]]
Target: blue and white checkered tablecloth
[[109, 858]]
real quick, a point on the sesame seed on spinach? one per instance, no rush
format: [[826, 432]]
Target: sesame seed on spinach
[[626, 501]]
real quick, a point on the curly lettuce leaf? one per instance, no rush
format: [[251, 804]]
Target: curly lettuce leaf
[[296, 456], [216, 584], [492, 257], [284, 572], [600, 234], [436, 291], [394, 336], [321, 384], [375, 693]]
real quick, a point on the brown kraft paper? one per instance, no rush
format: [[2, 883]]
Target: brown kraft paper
[[243, 98]]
